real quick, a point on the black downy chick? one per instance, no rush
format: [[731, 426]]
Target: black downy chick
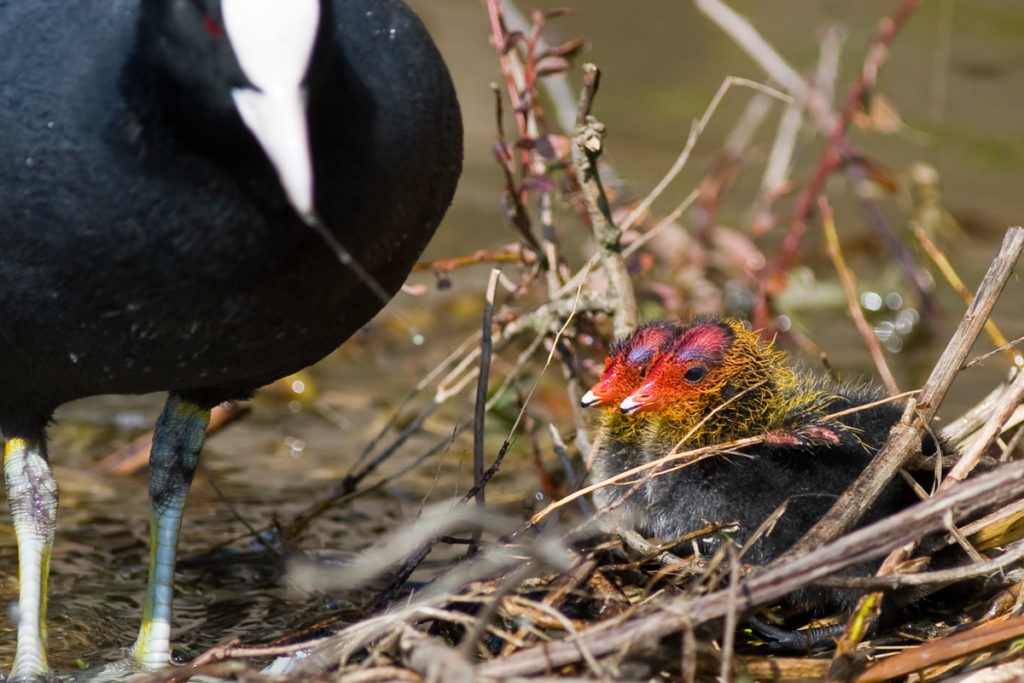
[[719, 382]]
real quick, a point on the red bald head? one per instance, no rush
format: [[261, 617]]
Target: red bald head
[[628, 362], [685, 369]]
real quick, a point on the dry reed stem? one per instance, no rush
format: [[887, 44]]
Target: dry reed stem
[[480, 405], [877, 55], [939, 576], [950, 274], [895, 455], [836, 148], [1004, 409], [935, 652], [849, 283], [732, 612], [696, 129]]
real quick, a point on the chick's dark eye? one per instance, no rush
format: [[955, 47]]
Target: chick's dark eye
[[696, 373]]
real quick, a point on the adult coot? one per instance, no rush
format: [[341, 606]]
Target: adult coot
[[197, 196]]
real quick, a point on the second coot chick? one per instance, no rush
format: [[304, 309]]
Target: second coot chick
[[616, 446]]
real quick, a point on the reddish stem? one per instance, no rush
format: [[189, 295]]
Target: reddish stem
[[888, 30]]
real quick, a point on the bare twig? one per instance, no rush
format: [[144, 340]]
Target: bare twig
[[940, 60], [731, 614], [850, 290], [943, 649], [512, 253], [696, 129], [480, 406], [1008, 404], [948, 272], [939, 576], [837, 149], [893, 455], [830, 157], [587, 146]]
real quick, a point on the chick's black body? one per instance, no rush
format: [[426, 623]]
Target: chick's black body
[[720, 383], [808, 475]]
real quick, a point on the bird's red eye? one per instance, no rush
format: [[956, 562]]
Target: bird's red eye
[[212, 27], [696, 373]]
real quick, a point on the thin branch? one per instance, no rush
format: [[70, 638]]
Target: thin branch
[[831, 155], [849, 284], [1008, 404], [944, 649], [948, 272], [940, 576], [587, 145], [695, 132], [480, 407]]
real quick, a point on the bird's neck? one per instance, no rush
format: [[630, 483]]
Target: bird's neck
[[614, 426], [617, 438]]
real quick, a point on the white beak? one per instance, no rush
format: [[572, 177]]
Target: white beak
[[628, 405]]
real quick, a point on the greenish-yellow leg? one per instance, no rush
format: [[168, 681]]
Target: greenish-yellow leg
[[32, 494], [172, 462]]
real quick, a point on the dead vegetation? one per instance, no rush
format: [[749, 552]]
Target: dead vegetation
[[566, 593]]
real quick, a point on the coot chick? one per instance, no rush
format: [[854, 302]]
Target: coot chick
[[720, 382], [617, 437], [162, 170]]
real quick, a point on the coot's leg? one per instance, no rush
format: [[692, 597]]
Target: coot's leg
[[32, 495], [176, 442]]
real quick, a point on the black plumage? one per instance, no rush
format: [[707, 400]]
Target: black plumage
[[805, 464], [146, 244], [180, 213]]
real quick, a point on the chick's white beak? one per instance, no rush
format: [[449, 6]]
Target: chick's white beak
[[629, 405]]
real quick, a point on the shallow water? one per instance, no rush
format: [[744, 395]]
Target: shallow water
[[661, 65]]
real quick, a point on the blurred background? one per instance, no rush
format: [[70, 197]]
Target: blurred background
[[954, 76]]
